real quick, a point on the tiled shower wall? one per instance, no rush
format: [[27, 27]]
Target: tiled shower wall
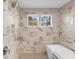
[[35, 39], [67, 26], [10, 29]]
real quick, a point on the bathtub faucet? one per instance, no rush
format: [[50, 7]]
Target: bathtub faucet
[[5, 50]]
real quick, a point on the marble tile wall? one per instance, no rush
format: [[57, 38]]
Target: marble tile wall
[[35, 39], [67, 36], [10, 29]]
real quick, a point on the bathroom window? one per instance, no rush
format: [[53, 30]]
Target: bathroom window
[[34, 20]]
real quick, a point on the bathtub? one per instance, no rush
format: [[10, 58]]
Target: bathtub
[[59, 52]]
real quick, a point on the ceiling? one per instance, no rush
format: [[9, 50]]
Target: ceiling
[[42, 3]]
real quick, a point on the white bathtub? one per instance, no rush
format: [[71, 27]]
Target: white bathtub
[[59, 52]]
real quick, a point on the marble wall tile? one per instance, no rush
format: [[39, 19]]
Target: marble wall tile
[[37, 37], [10, 25], [68, 25]]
